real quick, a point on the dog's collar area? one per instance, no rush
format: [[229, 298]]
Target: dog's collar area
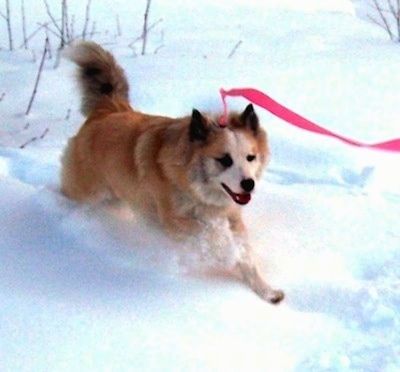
[[241, 199], [222, 121]]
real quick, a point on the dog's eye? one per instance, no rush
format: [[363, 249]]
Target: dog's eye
[[250, 157], [226, 161]]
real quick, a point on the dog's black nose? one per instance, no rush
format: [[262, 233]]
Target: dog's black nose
[[248, 184]]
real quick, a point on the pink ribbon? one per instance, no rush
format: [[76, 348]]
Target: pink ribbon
[[282, 112]]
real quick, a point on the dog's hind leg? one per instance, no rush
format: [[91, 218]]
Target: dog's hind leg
[[78, 180]]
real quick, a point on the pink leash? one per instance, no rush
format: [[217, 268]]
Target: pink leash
[[282, 112]]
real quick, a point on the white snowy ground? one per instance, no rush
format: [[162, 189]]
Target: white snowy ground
[[97, 289]]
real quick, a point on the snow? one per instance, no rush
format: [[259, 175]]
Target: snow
[[96, 288]]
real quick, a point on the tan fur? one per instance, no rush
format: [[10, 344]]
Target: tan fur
[[162, 166]]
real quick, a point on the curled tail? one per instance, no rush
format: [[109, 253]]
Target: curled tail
[[99, 75]]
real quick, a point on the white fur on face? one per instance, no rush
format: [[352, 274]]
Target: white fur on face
[[211, 174], [239, 147]]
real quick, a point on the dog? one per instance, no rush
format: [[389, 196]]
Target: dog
[[181, 172]]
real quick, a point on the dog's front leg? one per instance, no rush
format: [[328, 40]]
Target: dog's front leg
[[252, 277], [247, 265], [176, 223]]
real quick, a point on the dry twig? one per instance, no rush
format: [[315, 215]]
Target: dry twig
[[145, 30], [150, 28], [386, 16], [23, 19], [7, 18], [33, 139], [234, 49], [45, 51], [87, 18]]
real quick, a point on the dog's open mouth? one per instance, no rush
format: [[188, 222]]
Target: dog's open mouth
[[241, 199]]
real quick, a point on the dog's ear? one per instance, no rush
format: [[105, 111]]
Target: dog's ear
[[249, 118], [198, 127]]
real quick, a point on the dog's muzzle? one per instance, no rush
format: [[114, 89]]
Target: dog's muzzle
[[241, 199]]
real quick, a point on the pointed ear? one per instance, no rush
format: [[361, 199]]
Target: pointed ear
[[198, 127], [249, 118]]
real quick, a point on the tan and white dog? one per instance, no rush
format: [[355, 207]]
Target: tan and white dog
[[181, 172]]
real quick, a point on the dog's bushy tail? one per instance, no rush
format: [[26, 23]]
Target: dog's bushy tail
[[99, 75]]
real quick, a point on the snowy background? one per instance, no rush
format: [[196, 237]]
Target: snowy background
[[84, 289]]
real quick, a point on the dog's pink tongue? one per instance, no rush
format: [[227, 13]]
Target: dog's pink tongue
[[242, 198]]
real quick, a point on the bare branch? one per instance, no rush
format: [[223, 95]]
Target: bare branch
[[47, 130], [119, 33], [64, 24], [7, 17], [154, 25], [53, 20], [48, 28], [41, 26], [33, 139], [379, 24], [71, 29], [397, 17], [148, 30], [87, 17], [392, 10], [384, 23], [93, 31], [25, 43], [45, 51], [395, 14], [237, 45], [145, 30]]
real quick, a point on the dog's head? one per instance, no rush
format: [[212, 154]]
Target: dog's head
[[228, 160]]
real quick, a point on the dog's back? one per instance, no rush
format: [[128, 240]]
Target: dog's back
[[111, 155]]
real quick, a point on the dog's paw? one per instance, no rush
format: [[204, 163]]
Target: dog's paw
[[273, 296], [276, 297]]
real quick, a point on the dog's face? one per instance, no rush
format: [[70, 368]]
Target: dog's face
[[228, 160]]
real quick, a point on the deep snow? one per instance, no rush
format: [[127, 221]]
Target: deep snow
[[96, 288]]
